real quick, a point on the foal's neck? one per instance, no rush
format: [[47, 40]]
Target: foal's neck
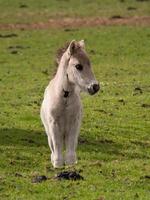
[[62, 80]]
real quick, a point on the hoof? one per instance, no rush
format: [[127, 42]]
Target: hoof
[[70, 160], [57, 163], [71, 163]]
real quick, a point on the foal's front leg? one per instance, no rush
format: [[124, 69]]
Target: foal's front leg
[[57, 141], [71, 140]]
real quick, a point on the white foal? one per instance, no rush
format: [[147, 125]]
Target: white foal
[[61, 109]]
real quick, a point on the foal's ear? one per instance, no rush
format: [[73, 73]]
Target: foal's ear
[[72, 47], [82, 44]]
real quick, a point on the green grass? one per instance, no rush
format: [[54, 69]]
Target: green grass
[[114, 147], [29, 11]]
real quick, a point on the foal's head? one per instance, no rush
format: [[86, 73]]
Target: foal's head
[[79, 68]]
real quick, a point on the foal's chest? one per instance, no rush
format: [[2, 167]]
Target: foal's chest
[[67, 108], [71, 105], [72, 111]]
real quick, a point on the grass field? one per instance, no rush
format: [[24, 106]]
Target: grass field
[[114, 144], [30, 11]]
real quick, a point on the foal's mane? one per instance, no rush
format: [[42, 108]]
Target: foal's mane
[[60, 52]]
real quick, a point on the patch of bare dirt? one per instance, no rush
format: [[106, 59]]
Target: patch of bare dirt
[[80, 22]]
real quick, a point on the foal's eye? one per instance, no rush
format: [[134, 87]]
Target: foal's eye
[[79, 67]]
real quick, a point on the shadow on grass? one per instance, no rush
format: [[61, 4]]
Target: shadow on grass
[[109, 149], [19, 137], [104, 146]]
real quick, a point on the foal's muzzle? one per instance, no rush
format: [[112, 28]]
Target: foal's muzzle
[[93, 88]]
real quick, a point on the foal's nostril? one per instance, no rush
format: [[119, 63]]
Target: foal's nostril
[[93, 88], [96, 87]]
